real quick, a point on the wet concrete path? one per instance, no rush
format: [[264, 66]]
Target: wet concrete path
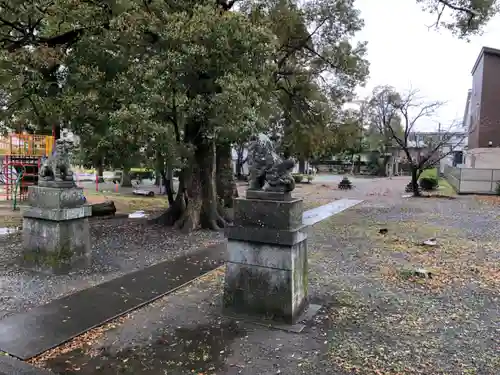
[[11, 366], [28, 334]]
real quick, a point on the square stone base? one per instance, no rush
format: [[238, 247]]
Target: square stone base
[[55, 197], [56, 245], [269, 214], [266, 280]]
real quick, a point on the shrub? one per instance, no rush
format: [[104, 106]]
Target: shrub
[[310, 178], [497, 190], [345, 184], [298, 177], [428, 183]]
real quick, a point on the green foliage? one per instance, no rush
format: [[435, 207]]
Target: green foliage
[[428, 183], [148, 83], [311, 43], [497, 189], [298, 177], [463, 17], [384, 120]]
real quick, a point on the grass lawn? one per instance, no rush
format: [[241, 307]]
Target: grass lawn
[[128, 203], [444, 187], [124, 204]]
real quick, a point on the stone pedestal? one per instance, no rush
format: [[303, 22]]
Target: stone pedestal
[[266, 271], [56, 228]]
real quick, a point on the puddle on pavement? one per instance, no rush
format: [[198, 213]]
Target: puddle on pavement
[[200, 349]]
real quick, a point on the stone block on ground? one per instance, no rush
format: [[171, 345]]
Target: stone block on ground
[[56, 233], [266, 280], [266, 270], [267, 213], [55, 198]]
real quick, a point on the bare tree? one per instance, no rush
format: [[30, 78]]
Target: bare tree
[[383, 120], [413, 109]]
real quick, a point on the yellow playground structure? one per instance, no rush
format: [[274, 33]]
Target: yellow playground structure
[[20, 159]]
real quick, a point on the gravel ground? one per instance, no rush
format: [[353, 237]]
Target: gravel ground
[[378, 316], [386, 318], [120, 246]]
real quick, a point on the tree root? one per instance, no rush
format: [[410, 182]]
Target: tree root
[[169, 217]]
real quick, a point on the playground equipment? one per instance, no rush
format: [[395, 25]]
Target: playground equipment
[[21, 156]]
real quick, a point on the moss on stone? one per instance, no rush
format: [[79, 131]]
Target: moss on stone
[[53, 259]]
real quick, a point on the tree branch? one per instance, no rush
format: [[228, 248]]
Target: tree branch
[[459, 8]]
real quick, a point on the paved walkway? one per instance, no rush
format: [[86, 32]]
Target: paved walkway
[[12, 366], [28, 334]]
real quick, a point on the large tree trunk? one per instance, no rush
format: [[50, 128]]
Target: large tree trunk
[[383, 167], [126, 180], [414, 180], [302, 166], [56, 131], [240, 160], [226, 186], [100, 170], [195, 205], [159, 168], [167, 175]]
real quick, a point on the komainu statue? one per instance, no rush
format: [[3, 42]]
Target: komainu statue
[[56, 170], [268, 171]]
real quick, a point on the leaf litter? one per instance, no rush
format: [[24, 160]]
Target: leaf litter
[[383, 323], [413, 309]]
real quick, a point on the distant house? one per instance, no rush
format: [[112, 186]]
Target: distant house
[[482, 112], [447, 148]]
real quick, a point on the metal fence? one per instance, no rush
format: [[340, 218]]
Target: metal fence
[[473, 180]]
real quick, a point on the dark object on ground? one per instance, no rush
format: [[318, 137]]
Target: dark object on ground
[[42, 328], [429, 183], [345, 184], [104, 209], [409, 188], [422, 273], [383, 231], [497, 190], [147, 193]]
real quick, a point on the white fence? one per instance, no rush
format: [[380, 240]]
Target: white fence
[[473, 180]]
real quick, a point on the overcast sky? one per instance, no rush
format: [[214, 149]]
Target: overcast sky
[[403, 52]]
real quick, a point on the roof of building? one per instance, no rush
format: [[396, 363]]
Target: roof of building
[[485, 50]]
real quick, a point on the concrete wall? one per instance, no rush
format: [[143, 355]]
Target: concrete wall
[[488, 158], [473, 180]]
